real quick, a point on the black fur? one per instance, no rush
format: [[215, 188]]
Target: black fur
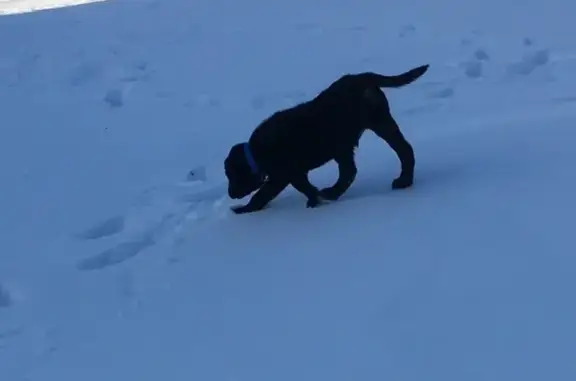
[[294, 141]]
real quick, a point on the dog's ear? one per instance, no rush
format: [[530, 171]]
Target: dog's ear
[[241, 180], [233, 164], [237, 162]]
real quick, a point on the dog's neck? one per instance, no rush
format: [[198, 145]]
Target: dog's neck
[[250, 159]]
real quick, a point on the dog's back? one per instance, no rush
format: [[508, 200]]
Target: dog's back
[[312, 132]]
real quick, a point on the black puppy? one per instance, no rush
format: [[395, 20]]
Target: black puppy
[[292, 142]]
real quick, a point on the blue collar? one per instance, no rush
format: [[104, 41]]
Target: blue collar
[[250, 159]]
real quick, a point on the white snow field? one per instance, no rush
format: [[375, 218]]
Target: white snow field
[[8, 7], [115, 266]]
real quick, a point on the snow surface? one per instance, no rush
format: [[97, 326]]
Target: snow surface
[[8, 7], [114, 265]]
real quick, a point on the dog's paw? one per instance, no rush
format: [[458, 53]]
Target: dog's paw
[[243, 209], [330, 194], [402, 182], [313, 202]]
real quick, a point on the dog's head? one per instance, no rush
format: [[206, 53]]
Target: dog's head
[[243, 179]]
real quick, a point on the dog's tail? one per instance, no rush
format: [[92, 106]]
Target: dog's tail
[[378, 80]]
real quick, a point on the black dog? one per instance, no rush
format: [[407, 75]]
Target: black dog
[[292, 142]]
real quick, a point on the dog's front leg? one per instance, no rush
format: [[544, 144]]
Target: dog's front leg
[[346, 175], [303, 185], [269, 191]]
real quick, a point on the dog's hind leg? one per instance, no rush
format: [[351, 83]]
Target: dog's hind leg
[[346, 175], [389, 131]]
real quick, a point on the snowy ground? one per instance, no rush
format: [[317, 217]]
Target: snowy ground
[[114, 266], [8, 7]]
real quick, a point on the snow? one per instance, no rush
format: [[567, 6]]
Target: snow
[[8, 7], [120, 258]]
